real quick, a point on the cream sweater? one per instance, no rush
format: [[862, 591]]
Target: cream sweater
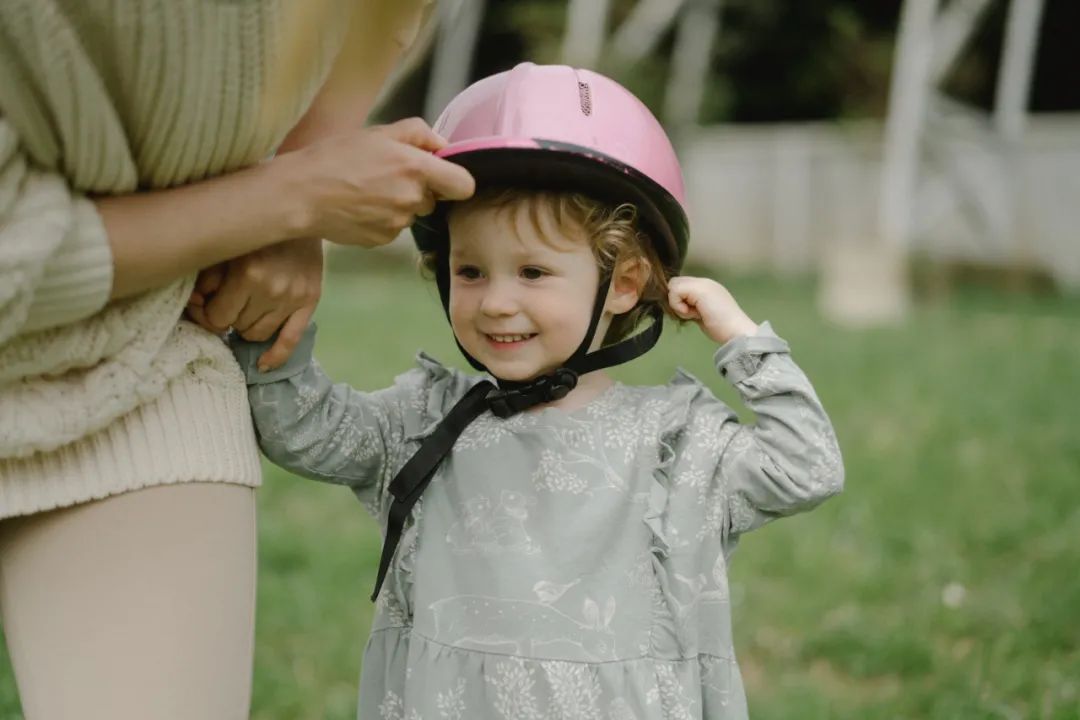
[[106, 97]]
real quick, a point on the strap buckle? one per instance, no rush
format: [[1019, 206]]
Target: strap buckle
[[555, 386]]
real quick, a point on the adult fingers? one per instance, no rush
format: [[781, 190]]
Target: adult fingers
[[447, 180], [265, 327], [197, 315], [414, 131], [206, 284], [263, 300], [287, 339], [427, 205], [210, 279], [225, 307]]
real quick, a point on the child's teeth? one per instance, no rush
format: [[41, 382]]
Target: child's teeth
[[509, 338]]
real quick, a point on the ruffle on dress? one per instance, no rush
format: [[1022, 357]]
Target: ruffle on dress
[[684, 392], [430, 390]]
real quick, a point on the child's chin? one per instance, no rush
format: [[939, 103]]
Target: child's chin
[[514, 372]]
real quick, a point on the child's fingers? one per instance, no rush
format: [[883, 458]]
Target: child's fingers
[[686, 312], [287, 339], [682, 302]]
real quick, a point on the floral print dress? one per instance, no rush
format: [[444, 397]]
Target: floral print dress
[[560, 564]]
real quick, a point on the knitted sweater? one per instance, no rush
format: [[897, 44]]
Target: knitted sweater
[[108, 97]]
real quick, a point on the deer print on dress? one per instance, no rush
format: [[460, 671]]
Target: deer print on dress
[[522, 627], [482, 530]]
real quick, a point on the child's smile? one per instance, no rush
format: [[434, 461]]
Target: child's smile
[[522, 288], [509, 342]]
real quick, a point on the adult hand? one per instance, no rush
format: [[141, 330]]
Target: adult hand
[[257, 294], [366, 186]]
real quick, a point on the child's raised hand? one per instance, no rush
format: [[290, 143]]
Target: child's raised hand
[[710, 305]]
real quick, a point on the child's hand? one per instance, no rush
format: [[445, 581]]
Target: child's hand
[[710, 305], [272, 290]]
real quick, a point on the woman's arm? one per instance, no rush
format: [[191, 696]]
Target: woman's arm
[[158, 236], [276, 288], [359, 188], [203, 224], [374, 43]]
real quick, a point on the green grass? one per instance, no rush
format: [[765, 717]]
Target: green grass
[[961, 437]]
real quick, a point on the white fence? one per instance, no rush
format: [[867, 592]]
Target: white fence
[[777, 197]]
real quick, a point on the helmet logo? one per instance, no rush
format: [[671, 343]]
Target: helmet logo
[[586, 98]]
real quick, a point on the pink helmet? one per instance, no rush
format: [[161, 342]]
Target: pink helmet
[[560, 128]]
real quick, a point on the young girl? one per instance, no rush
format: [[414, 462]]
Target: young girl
[[557, 542]]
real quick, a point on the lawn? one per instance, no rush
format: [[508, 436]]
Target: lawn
[[944, 583]]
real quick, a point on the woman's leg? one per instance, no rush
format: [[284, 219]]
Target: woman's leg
[[138, 606]]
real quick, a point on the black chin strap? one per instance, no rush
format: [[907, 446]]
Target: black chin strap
[[504, 401], [415, 475]]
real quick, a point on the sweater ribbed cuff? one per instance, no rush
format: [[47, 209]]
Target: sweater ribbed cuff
[[78, 279]]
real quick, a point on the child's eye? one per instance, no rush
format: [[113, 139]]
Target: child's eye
[[533, 273], [468, 272]]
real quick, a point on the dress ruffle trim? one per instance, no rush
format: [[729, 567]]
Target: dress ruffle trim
[[436, 388], [685, 391]]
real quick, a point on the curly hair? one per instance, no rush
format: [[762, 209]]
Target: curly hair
[[615, 236]]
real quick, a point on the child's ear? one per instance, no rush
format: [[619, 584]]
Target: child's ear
[[627, 282]]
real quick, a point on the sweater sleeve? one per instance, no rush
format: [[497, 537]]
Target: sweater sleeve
[[55, 261]]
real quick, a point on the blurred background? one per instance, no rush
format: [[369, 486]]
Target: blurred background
[[895, 185]]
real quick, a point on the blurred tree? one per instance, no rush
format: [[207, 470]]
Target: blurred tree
[[780, 60], [813, 59], [1053, 85], [774, 59]]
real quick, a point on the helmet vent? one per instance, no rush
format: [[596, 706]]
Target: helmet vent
[[586, 98]]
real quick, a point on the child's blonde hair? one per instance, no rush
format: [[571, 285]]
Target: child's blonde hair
[[615, 236]]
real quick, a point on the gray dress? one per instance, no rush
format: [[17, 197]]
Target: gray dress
[[560, 564]]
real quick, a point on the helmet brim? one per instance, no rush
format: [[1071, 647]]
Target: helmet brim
[[536, 164]]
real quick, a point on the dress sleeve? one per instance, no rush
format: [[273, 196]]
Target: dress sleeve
[[786, 462], [55, 261], [331, 432]]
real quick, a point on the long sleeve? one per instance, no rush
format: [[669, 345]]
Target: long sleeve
[[55, 263], [325, 431], [789, 460]]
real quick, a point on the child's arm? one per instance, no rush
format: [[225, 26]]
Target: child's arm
[[789, 460], [321, 430]]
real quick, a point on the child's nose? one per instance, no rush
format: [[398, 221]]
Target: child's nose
[[499, 299]]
